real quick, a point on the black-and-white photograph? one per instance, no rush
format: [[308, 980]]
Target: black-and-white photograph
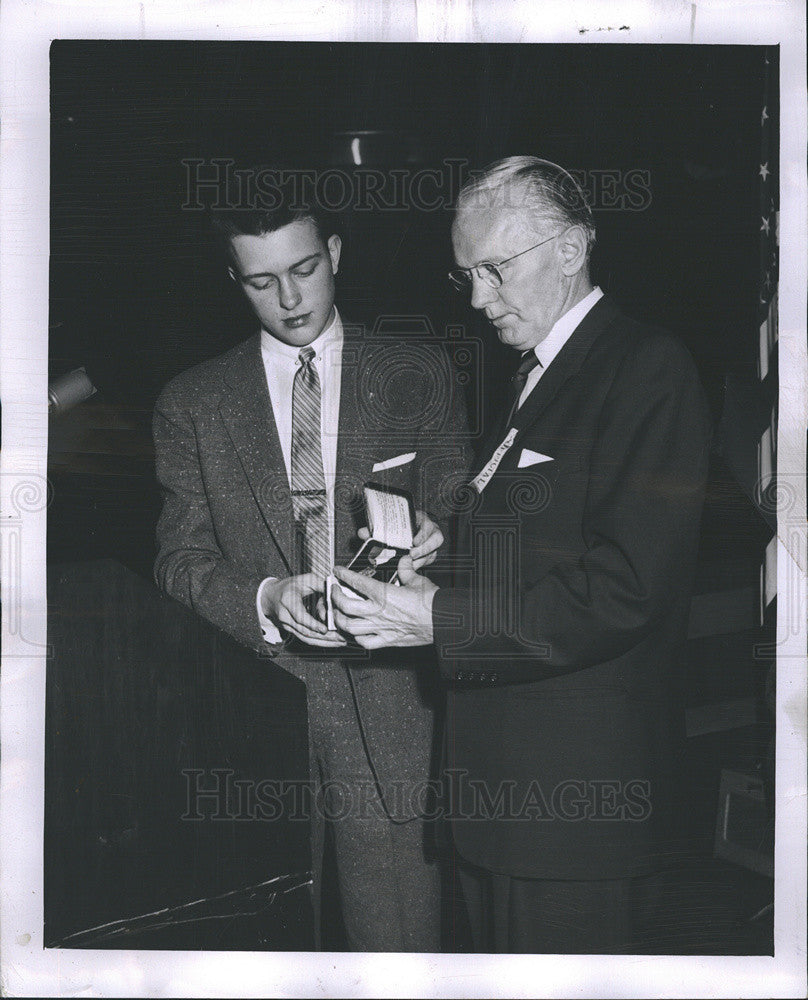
[[413, 509], [604, 633]]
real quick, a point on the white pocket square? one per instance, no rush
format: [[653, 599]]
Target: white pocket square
[[529, 457], [391, 463]]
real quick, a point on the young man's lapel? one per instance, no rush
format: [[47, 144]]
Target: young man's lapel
[[247, 413]]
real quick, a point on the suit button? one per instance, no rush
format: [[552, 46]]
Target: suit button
[[493, 678], [460, 675]]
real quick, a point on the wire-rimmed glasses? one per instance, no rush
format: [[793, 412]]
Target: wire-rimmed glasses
[[461, 277]]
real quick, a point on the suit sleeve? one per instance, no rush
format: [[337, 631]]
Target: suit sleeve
[[190, 566], [639, 528], [444, 450]]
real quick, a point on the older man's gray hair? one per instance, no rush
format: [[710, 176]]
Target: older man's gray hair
[[547, 193]]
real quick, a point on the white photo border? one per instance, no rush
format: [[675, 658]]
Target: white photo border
[[26, 29]]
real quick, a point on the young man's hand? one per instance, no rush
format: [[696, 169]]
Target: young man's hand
[[283, 603]]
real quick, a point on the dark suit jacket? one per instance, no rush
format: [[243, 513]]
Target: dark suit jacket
[[562, 642], [227, 518]]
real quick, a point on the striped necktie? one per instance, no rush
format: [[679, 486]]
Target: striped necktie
[[312, 543]]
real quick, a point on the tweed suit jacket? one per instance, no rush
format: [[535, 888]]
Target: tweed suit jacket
[[227, 519], [561, 643]]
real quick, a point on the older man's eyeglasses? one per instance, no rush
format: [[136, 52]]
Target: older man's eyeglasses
[[461, 277]]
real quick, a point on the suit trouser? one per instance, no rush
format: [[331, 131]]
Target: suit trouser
[[390, 893], [548, 916]]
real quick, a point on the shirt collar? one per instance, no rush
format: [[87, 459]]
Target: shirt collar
[[330, 337], [564, 327]]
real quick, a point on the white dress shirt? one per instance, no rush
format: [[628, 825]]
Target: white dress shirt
[[546, 352], [561, 332], [281, 362]]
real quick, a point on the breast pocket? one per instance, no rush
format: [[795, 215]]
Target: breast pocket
[[538, 488], [392, 463]]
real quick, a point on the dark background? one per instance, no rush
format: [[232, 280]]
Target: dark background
[[134, 281], [138, 291]]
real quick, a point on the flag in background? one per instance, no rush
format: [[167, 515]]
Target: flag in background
[[769, 205]]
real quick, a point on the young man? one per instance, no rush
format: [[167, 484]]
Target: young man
[[262, 455]]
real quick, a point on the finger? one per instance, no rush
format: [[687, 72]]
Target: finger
[[355, 626], [296, 618], [349, 604], [296, 629], [424, 525], [429, 543], [364, 585], [420, 551], [426, 560], [310, 583], [312, 637], [300, 616], [378, 640], [329, 641], [406, 572], [345, 623]]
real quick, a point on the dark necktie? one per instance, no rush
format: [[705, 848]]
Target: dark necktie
[[529, 362], [308, 481], [501, 427]]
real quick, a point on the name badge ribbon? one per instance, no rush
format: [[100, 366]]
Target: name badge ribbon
[[480, 481]]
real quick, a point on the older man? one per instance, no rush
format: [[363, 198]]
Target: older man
[[560, 639]]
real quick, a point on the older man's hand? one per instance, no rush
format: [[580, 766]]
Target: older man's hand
[[385, 615]]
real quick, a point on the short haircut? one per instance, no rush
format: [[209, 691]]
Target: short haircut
[[546, 192], [232, 222]]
